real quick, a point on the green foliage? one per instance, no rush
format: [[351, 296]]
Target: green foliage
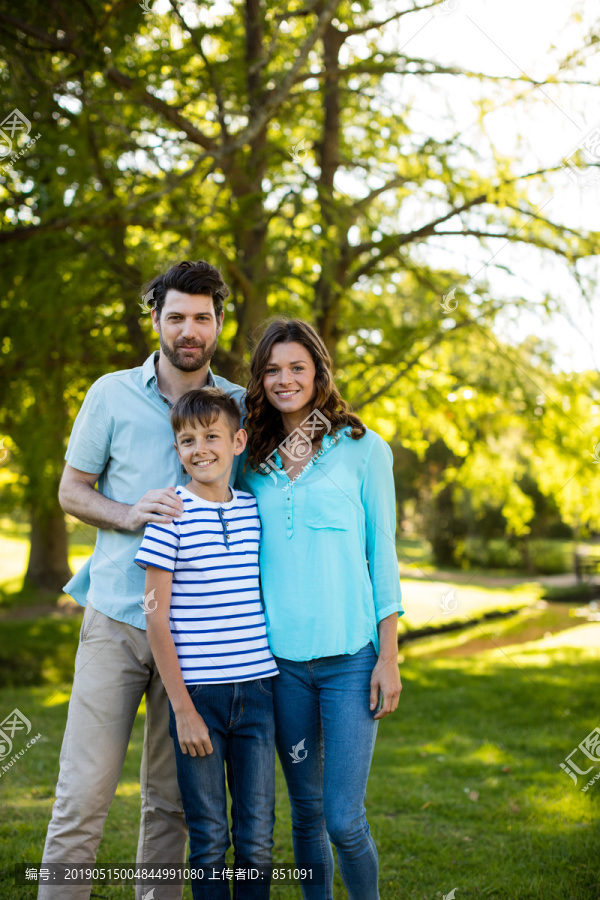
[[38, 651], [281, 144], [493, 554], [551, 557], [576, 593], [547, 557]]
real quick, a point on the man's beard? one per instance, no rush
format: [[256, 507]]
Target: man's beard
[[184, 362]]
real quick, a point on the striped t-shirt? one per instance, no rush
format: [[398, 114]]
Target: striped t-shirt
[[217, 618]]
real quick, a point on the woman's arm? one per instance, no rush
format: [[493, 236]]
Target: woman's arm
[[379, 502], [385, 676], [192, 732]]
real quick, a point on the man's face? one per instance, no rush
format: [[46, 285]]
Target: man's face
[[187, 329]]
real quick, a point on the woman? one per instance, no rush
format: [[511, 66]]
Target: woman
[[331, 591]]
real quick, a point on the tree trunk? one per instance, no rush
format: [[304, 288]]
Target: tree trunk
[[48, 567], [527, 558], [329, 287], [245, 173]]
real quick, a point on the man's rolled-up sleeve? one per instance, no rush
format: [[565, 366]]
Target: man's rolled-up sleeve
[[89, 444]]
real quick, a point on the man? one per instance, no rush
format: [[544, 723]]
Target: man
[[122, 440]]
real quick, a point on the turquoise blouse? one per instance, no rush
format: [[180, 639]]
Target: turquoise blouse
[[328, 563]]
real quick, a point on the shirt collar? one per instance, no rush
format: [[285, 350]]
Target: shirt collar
[[326, 442]]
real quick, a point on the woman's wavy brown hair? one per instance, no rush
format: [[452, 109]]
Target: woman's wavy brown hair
[[263, 422]]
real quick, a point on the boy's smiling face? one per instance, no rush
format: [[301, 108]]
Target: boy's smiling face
[[206, 453]]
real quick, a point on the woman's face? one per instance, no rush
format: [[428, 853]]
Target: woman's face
[[289, 379]]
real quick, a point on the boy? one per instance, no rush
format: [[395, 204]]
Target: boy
[[122, 443], [207, 632]]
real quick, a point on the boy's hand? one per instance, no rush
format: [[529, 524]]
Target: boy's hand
[[192, 734], [162, 505]]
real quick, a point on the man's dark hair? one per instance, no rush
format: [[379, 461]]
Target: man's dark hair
[[205, 405], [189, 278]]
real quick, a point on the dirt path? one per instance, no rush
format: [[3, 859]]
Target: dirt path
[[533, 623], [533, 630]]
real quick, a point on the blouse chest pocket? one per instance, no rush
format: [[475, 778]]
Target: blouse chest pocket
[[327, 506]]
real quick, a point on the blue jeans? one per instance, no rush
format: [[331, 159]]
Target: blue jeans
[[239, 717], [323, 706]]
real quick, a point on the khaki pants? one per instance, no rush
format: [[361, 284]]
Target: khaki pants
[[114, 668]]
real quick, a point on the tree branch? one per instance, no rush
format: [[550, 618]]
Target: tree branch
[[209, 68], [380, 392], [32, 31], [276, 97], [369, 26], [168, 112], [394, 242]]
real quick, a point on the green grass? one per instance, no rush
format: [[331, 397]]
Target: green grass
[[465, 788]]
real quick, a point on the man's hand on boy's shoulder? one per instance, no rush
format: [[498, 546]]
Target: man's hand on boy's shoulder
[[192, 734], [161, 505]]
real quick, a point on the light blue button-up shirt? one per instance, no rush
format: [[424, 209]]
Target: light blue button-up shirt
[[328, 563], [122, 433]]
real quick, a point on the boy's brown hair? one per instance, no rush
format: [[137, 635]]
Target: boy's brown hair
[[205, 405]]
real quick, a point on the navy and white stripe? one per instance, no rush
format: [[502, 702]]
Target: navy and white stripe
[[217, 619]]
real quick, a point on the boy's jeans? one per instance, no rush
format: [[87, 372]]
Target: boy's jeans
[[323, 704], [239, 718]]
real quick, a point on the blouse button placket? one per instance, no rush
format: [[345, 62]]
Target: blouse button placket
[[289, 511]]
